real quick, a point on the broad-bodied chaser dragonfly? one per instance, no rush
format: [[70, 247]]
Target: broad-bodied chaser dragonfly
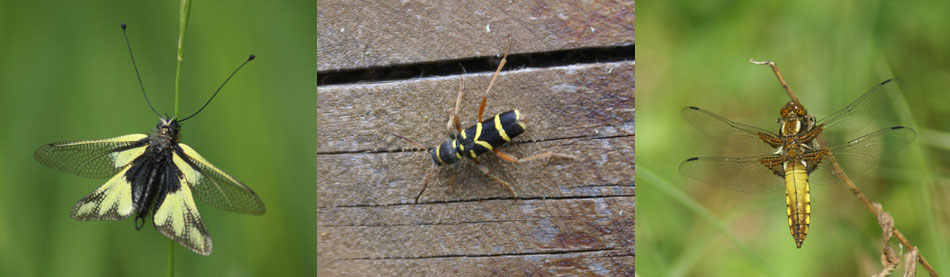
[[798, 151]]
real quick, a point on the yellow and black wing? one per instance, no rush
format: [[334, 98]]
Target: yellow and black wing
[[111, 201], [214, 187], [92, 158], [177, 217], [98, 159]]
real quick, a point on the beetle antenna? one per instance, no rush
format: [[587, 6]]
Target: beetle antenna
[[249, 59], [416, 144], [137, 75]]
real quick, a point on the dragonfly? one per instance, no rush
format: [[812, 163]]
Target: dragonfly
[[802, 148]]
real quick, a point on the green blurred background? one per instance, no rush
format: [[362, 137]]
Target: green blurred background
[[65, 74], [697, 52]]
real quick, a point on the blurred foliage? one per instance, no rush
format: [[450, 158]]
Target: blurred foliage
[[65, 74], [697, 53]]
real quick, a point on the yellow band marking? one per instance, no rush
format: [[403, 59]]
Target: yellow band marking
[[437, 155], [483, 144], [797, 200], [478, 131], [472, 152], [501, 130]]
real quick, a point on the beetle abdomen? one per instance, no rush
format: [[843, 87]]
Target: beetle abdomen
[[491, 133]]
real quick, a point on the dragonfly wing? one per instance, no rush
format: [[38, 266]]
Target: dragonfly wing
[[855, 118], [858, 155], [738, 136], [750, 174]]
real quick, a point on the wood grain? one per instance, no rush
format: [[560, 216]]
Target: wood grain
[[573, 217], [582, 236], [558, 103], [360, 34]]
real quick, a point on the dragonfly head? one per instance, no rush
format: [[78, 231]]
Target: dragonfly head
[[793, 108]]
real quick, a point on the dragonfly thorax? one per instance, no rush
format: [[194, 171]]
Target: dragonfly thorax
[[793, 114]]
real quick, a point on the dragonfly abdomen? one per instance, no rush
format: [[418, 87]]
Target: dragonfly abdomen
[[798, 201]]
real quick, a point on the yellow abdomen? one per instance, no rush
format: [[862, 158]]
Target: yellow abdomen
[[797, 201]]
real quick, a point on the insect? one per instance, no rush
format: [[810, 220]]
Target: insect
[[152, 173], [803, 148], [484, 136]]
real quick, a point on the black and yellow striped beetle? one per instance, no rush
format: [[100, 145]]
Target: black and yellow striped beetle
[[484, 136]]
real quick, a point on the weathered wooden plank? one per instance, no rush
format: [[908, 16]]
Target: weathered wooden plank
[[359, 34], [581, 236], [572, 217], [495, 227], [597, 263], [562, 102], [604, 167]]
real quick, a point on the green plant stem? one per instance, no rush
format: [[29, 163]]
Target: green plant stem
[[183, 14], [171, 258]]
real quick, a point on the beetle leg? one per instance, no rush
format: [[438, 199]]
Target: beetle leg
[[425, 185], [499, 180], [452, 179], [454, 117]]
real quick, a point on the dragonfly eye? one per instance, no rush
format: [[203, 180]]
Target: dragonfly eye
[[800, 111], [792, 107]]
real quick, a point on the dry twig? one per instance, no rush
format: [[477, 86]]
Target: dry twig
[[889, 257], [788, 89], [910, 262]]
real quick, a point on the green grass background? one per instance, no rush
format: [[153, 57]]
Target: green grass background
[[65, 74], [697, 52]]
